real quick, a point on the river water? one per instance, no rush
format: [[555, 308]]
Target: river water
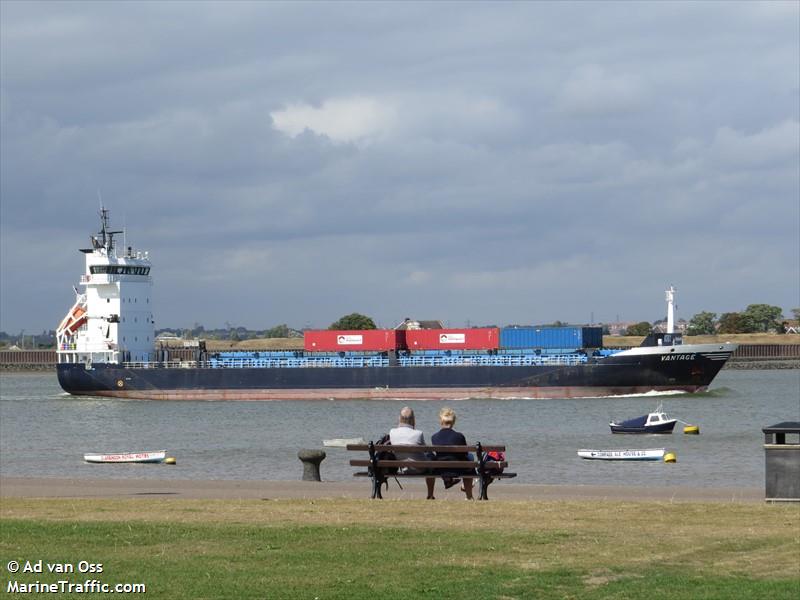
[[45, 432]]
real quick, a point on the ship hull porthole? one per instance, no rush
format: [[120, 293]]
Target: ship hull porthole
[[120, 383]]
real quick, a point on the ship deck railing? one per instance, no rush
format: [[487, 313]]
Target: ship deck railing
[[361, 362], [492, 360]]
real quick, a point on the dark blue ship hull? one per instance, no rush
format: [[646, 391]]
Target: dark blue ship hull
[[614, 375]]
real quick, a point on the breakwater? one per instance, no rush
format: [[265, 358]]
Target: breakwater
[[765, 356], [27, 360]]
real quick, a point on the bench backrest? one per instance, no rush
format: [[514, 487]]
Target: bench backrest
[[412, 448]]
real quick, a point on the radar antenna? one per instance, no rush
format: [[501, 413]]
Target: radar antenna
[[106, 236]]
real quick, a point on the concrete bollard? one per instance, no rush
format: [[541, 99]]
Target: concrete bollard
[[311, 460]]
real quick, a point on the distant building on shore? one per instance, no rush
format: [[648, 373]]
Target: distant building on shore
[[619, 327]]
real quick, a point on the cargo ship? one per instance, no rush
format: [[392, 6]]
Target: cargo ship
[[106, 347]]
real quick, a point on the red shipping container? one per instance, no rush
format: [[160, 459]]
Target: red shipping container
[[366, 340], [487, 338]]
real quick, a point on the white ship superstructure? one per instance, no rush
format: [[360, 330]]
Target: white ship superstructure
[[112, 318]]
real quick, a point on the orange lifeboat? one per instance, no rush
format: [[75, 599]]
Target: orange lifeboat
[[73, 321]]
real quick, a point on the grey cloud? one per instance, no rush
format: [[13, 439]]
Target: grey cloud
[[541, 160], [591, 90]]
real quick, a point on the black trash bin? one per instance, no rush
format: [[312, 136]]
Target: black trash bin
[[782, 464]]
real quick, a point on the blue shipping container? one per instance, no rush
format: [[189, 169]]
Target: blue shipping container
[[592, 337], [551, 337]]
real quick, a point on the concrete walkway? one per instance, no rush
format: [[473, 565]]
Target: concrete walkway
[[25, 487]]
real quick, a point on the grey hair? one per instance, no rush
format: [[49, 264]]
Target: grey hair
[[407, 415]]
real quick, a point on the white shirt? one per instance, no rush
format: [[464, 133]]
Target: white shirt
[[406, 435]]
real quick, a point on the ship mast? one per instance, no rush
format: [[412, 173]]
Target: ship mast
[[106, 239], [671, 309]]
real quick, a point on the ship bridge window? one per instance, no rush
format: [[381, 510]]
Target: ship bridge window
[[118, 270]]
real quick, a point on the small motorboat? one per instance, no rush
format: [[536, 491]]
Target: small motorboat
[[127, 457], [654, 422], [630, 454], [342, 442]]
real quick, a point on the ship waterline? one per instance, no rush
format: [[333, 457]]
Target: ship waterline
[[260, 395]]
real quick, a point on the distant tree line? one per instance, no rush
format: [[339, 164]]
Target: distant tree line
[[756, 318], [640, 328], [231, 333], [357, 321], [353, 321], [29, 341]]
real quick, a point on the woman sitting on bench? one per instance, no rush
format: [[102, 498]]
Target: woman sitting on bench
[[447, 436]]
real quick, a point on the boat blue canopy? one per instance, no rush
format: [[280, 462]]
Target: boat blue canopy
[[637, 422]]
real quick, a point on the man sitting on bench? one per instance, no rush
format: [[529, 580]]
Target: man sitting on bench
[[406, 435]]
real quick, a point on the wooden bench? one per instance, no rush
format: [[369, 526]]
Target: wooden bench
[[380, 470]]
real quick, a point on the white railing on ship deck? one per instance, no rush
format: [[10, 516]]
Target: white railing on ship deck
[[358, 362], [491, 360]]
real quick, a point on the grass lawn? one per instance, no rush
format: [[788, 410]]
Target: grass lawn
[[353, 549]]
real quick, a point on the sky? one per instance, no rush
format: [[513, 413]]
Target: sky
[[478, 163]]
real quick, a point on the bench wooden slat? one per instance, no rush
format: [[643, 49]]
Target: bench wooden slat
[[504, 475], [451, 449], [442, 465]]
